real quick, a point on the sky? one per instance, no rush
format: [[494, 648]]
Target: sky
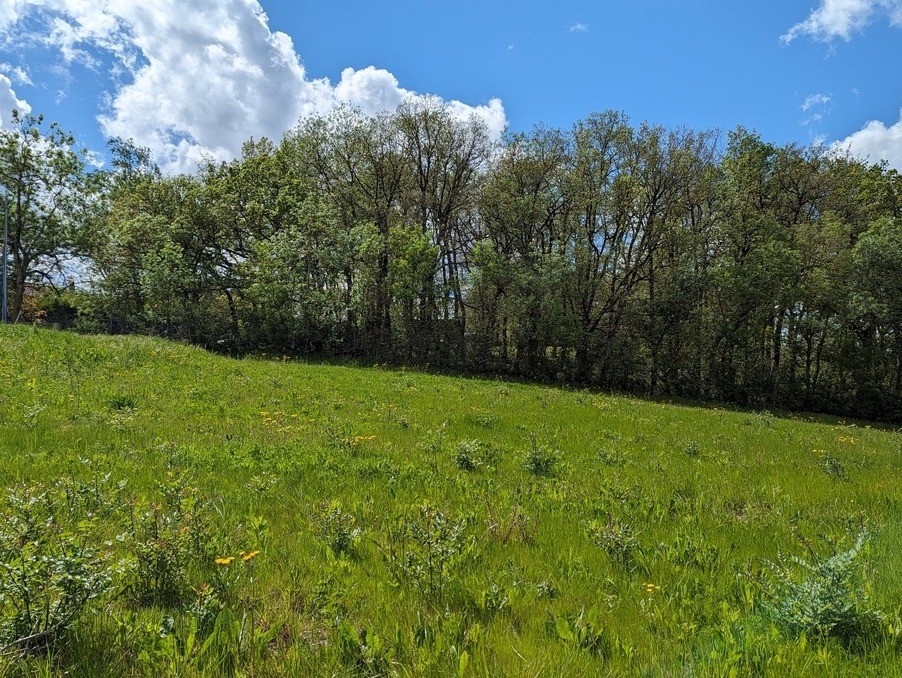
[[193, 79]]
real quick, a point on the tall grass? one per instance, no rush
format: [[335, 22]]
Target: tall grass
[[420, 525]]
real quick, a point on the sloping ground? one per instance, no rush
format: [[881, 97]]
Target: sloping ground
[[419, 524]]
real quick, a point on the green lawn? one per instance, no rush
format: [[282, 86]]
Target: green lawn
[[424, 525]]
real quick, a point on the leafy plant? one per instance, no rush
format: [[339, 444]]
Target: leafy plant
[[583, 630], [827, 601], [469, 455], [831, 466], [166, 539], [428, 549], [542, 460], [615, 537], [363, 650], [51, 567], [336, 528]]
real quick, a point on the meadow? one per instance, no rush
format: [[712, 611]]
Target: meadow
[[173, 512]]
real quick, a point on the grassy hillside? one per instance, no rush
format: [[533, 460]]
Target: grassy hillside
[[416, 524]]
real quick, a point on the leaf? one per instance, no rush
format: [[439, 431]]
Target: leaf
[[462, 663], [564, 632]]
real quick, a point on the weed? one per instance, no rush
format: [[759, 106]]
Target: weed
[[616, 538], [583, 630], [428, 549], [469, 455], [336, 528], [51, 567], [827, 601], [692, 449], [542, 460], [121, 402], [166, 539], [831, 466]]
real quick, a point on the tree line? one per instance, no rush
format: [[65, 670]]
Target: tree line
[[659, 261]]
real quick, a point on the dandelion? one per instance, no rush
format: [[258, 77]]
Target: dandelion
[[225, 561], [651, 588], [250, 556]]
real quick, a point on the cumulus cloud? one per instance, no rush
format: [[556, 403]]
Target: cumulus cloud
[[844, 18], [201, 76], [9, 101], [876, 142], [579, 28]]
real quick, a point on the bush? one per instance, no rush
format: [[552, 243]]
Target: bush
[[469, 455], [830, 602], [50, 569], [616, 538], [542, 460], [167, 539], [336, 528], [831, 466], [427, 550]]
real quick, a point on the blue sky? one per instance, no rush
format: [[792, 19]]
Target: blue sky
[[191, 78]]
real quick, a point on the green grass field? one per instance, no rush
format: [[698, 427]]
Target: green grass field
[[423, 525]]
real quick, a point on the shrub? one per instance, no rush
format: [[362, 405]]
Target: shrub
[[542, 460], [50, 569], [831, 466], [428, 549], [166, 539], [829, 602], [469, 455], [336, 528], [616, 538]]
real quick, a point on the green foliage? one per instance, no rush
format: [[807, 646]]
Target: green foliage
[[428, 549], [583, 630], [542, 460], [832, 466], [336, 528], [473, 455], [824, 598], [167, 539], [240, 472], [616, 538], [52, 563]]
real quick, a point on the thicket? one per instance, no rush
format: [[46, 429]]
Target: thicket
[[669, 262]]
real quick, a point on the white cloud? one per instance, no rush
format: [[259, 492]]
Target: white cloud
[[579, 28], [10, 11], [16, 73], [818, 102], [9, 101], [843, 18], [204, 75], [876, 142], [815, 100], [371, 89]]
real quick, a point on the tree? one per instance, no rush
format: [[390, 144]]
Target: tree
[[45, 180]]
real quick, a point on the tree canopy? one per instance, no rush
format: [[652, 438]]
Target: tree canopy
[[671, 262]]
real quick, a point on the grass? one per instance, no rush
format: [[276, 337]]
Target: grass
[[422, 525]]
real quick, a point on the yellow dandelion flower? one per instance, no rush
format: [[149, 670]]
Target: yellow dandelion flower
[[225, 561], [250, 556]]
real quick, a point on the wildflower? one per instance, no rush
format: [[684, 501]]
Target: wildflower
[[225, 561], [250, 556], [651, 588]]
